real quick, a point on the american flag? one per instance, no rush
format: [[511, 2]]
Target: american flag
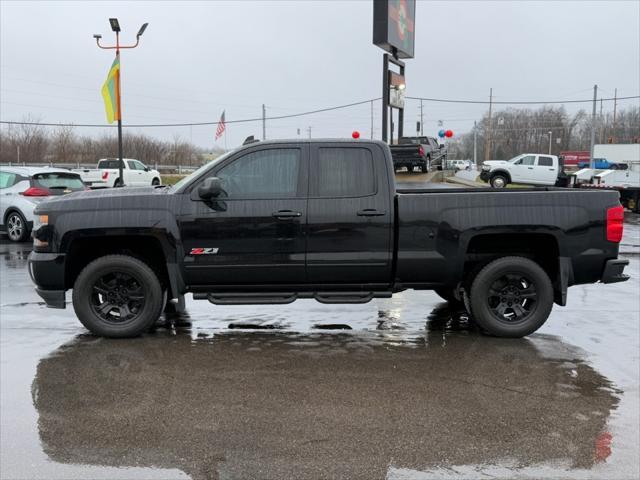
[[221, 127]]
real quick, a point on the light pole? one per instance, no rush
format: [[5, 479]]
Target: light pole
[[550, 137], [115, 26]]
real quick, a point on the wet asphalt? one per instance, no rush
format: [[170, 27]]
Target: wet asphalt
[[404, 388]]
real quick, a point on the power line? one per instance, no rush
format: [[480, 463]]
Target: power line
[[246, 120], [527, 102]]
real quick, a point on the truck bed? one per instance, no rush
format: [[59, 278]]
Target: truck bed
[[435, 227]]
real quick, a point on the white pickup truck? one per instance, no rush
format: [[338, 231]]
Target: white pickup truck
[[528, 168], [135, 173]]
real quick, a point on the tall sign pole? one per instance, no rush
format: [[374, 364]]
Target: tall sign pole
[[394, 32], [115, 26]]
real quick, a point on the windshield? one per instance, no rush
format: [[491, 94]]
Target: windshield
[[180, 184], [517, 157]]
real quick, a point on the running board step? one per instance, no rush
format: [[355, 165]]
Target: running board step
[[251, 299], [275, 298]]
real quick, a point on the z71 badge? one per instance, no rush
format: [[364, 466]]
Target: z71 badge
[[203, 251]]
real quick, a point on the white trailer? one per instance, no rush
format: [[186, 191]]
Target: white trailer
[[618, 152], [626, 180]]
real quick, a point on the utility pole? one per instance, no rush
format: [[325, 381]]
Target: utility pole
[[593, 124], [421, 120], [487, 145], [550, 137], [371, 119], [264, 122], [309, 131], [601, 122], [475, 143], [115, 27], [615, 104]]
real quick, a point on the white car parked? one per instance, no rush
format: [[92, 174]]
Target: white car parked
[[528, 168], [135, 173], [22, 188]]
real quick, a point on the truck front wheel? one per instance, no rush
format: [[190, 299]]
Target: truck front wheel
[[499, 181], [117, 296], [511, 297]]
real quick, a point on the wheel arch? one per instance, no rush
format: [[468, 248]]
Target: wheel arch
[[155, 250], [543, 247], [504, 173]]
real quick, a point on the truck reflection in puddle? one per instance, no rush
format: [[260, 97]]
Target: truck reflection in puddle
[[285, 405]]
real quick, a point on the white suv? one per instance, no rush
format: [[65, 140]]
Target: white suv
[[22, 188], [528, 168]]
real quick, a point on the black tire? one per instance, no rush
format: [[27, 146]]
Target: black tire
[[92, 293], [155, 182], [499, 181], [17, 228], [511, 297]]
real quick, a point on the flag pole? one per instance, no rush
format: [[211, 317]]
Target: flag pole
[[120, 153], [115, 27]]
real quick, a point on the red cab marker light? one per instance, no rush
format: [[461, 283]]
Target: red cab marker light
[[35, 192], [355, 134]]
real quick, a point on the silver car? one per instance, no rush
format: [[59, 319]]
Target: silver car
[[22, 188]]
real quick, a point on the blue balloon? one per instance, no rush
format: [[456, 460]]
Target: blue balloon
[[442, 133]]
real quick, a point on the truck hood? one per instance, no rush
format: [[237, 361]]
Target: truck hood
[[104, 199], [495, 163]]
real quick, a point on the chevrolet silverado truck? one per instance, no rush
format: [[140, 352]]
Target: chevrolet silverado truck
[[421, 152], [275, 221]]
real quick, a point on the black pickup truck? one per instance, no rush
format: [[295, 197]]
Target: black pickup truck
[[422, 152], [275, 221]]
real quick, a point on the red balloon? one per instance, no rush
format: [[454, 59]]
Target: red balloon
[[355, 134], [448, 134]]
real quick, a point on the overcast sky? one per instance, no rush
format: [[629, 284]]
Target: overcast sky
[[196, 59]]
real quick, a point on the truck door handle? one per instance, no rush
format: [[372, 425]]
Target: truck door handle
[[530, 168], [286, 214], [370, 212]]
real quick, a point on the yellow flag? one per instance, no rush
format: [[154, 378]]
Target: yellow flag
[[110, 91]]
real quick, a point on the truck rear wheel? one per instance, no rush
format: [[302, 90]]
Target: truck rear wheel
[[511, 297], [117, 296]]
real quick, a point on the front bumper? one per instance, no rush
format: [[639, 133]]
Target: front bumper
[[613, 271], [484, 175], [47, 272]]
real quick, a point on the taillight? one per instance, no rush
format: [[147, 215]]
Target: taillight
[[615, 219], [421, 151], [35, 192], [105, 175]]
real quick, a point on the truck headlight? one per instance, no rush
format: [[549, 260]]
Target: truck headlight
[[40, 237], [486, 167]]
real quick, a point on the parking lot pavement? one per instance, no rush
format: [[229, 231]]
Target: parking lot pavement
[[404, 388]]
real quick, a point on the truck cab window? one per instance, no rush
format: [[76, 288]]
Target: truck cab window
[[545, 161], [528, 160], [271, 173], [345, 172]]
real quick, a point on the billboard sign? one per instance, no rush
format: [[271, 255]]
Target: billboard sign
[[394, 26], [396, 90]]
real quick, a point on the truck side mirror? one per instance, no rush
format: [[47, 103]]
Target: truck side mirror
[[210, 188]]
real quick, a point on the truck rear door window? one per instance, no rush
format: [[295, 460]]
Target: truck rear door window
[[108, 164], [545, 161], [345, 172], [271, 173]]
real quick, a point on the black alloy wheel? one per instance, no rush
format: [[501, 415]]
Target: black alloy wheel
[[117, 297], [510, 297]]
